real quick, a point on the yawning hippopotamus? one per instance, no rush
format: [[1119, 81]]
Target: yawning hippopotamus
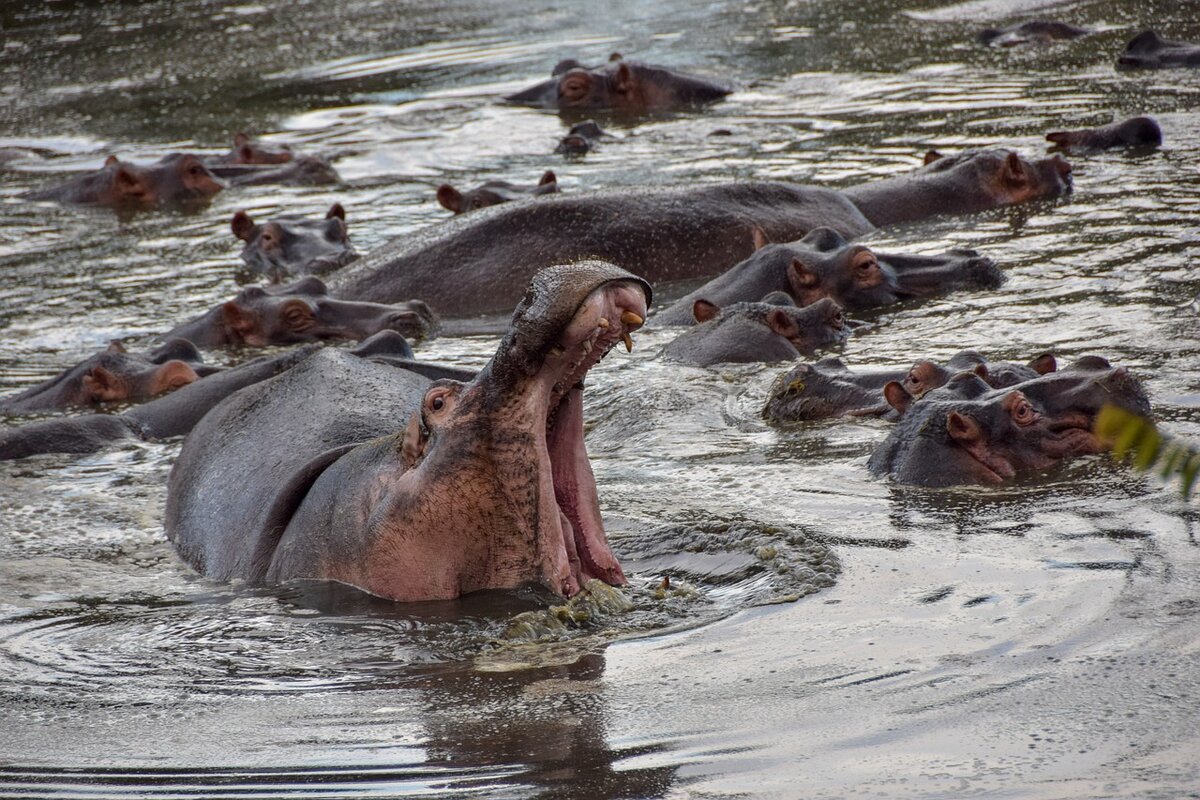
[[620, 85], [302, 312], [1132, 132], [1148, 50], [771, 330], [471, 265], [823, 264], [287, 246], [968, 432], [493, 193], [1039, 31], [113, 375], [180, 180], [411, 490]]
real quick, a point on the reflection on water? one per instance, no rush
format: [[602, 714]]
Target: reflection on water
[[1038, 639]]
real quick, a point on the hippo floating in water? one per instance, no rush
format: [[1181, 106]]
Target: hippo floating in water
[[1036, 31], [247, 151], [471, 265], [114, 375], [411, 490], [581, 138], [967, 432], [621, 85], [493, 193], [823, 264], [1133, 132], [300, 171], [302, 312], [1148, 50], [179, 181], [287, 246], [771, 330]]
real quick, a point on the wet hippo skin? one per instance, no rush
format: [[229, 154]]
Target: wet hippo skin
[[472, 265], [1149, 50], [248, 151], [581, 138], [493, 193], [180, 180], [408, 489], [1132, 132], [288, 246], [774, 330], [1034, 31], [300, 171]]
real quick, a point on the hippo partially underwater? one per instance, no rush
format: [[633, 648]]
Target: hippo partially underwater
[[339, 469]]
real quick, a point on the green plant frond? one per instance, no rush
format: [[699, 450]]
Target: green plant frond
[[1136, 439]]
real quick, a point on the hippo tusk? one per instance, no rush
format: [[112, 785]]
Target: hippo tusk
[[603, 323], [628, 340], [630, 318]]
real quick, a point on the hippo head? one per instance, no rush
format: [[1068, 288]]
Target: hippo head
[[304, 312], [183, 180], [619, 85], [127, 186], [1149, 50], [503, 455], [247, 151], [968, 432], [772, 330], [993, 178], [286, 246], [925, 376], [492, 193]]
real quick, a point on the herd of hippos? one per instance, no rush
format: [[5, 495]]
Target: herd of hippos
[[415, 480]]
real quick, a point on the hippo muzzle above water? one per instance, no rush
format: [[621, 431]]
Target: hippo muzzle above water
[[409, 489]]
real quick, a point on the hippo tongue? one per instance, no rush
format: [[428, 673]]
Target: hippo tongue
[[575, 491]]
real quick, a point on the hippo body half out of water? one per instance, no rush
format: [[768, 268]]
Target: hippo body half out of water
[[474, 264], [408, 489]]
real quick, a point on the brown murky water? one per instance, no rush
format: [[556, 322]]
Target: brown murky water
[[1042, 640]]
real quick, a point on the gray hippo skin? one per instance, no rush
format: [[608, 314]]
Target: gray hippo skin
[[967, 432], [1036, 31], [473, 265], [302, 312], [493, 193], [1132, 132], [180, 181], [247, 151], [621, 85], [408, 489], [581, 138], [824, 265], [302, 171], [114, 375], [1148, 50], [771, 330], [288, 246]]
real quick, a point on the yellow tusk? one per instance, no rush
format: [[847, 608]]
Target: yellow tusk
[[557, 350], [630, 318], [603, 323], [625, 337]]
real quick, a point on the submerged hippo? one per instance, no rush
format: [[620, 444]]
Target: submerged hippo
[[620, 85], [581, 138], [1132, 132], [287, 246], [411, 490], [247, 151], [493, 193], [968, 432], [471, 265], [301, 171], [823, 264], [302, 312], [114, 375], [772, 330], [180, 180], [1148, 50], [1038, 31]]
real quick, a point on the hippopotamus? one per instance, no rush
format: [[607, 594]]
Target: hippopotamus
[[1148, 50], [493, 193], [410, 489], [581, 138], [829, 388], [967, 432], [621, 85], [247, 151], [179, 180], [470, 265], [302, 312], [178, 412], [1132, 132], [1038, 31], [287, 246], [824, 264], [114, 375], [771, 330], [301, 171]]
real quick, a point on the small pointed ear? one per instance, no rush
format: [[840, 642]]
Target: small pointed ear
[[981, 370], [124, 177], [1044, 364], [412, 446], [240, 139], [897, 397], [237, 319], [703, 310], [963, 429], [623, 80], [615, 57], [802, 275], [932, 156], [450, 198], [100, 385], [782, 323], [336, 210], [242, 226], [548, 177], [759, 237], [111, 161], [1013, 168], [174, 374], [115, 346]]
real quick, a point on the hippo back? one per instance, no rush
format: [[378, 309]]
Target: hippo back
[[260, 448]]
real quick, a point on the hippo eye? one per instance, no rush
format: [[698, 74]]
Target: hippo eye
[[1023, 413], [438, 403], [837, 321]]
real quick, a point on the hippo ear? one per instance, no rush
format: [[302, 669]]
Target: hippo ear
[[115, 346], [897, 397], [450, 198], [336, 210], [240, 140], [783, 323], [100, 385], [802, 275], [1044, 364], [981, 370], [963, 429], [623, 79], [111, 161], [1014, 170], [932, 156], [238, 319], [759, 238], [703, 310], [547, 177], [124, 179], [242, 226], [412, 446], [174, 374], [615, 57]]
